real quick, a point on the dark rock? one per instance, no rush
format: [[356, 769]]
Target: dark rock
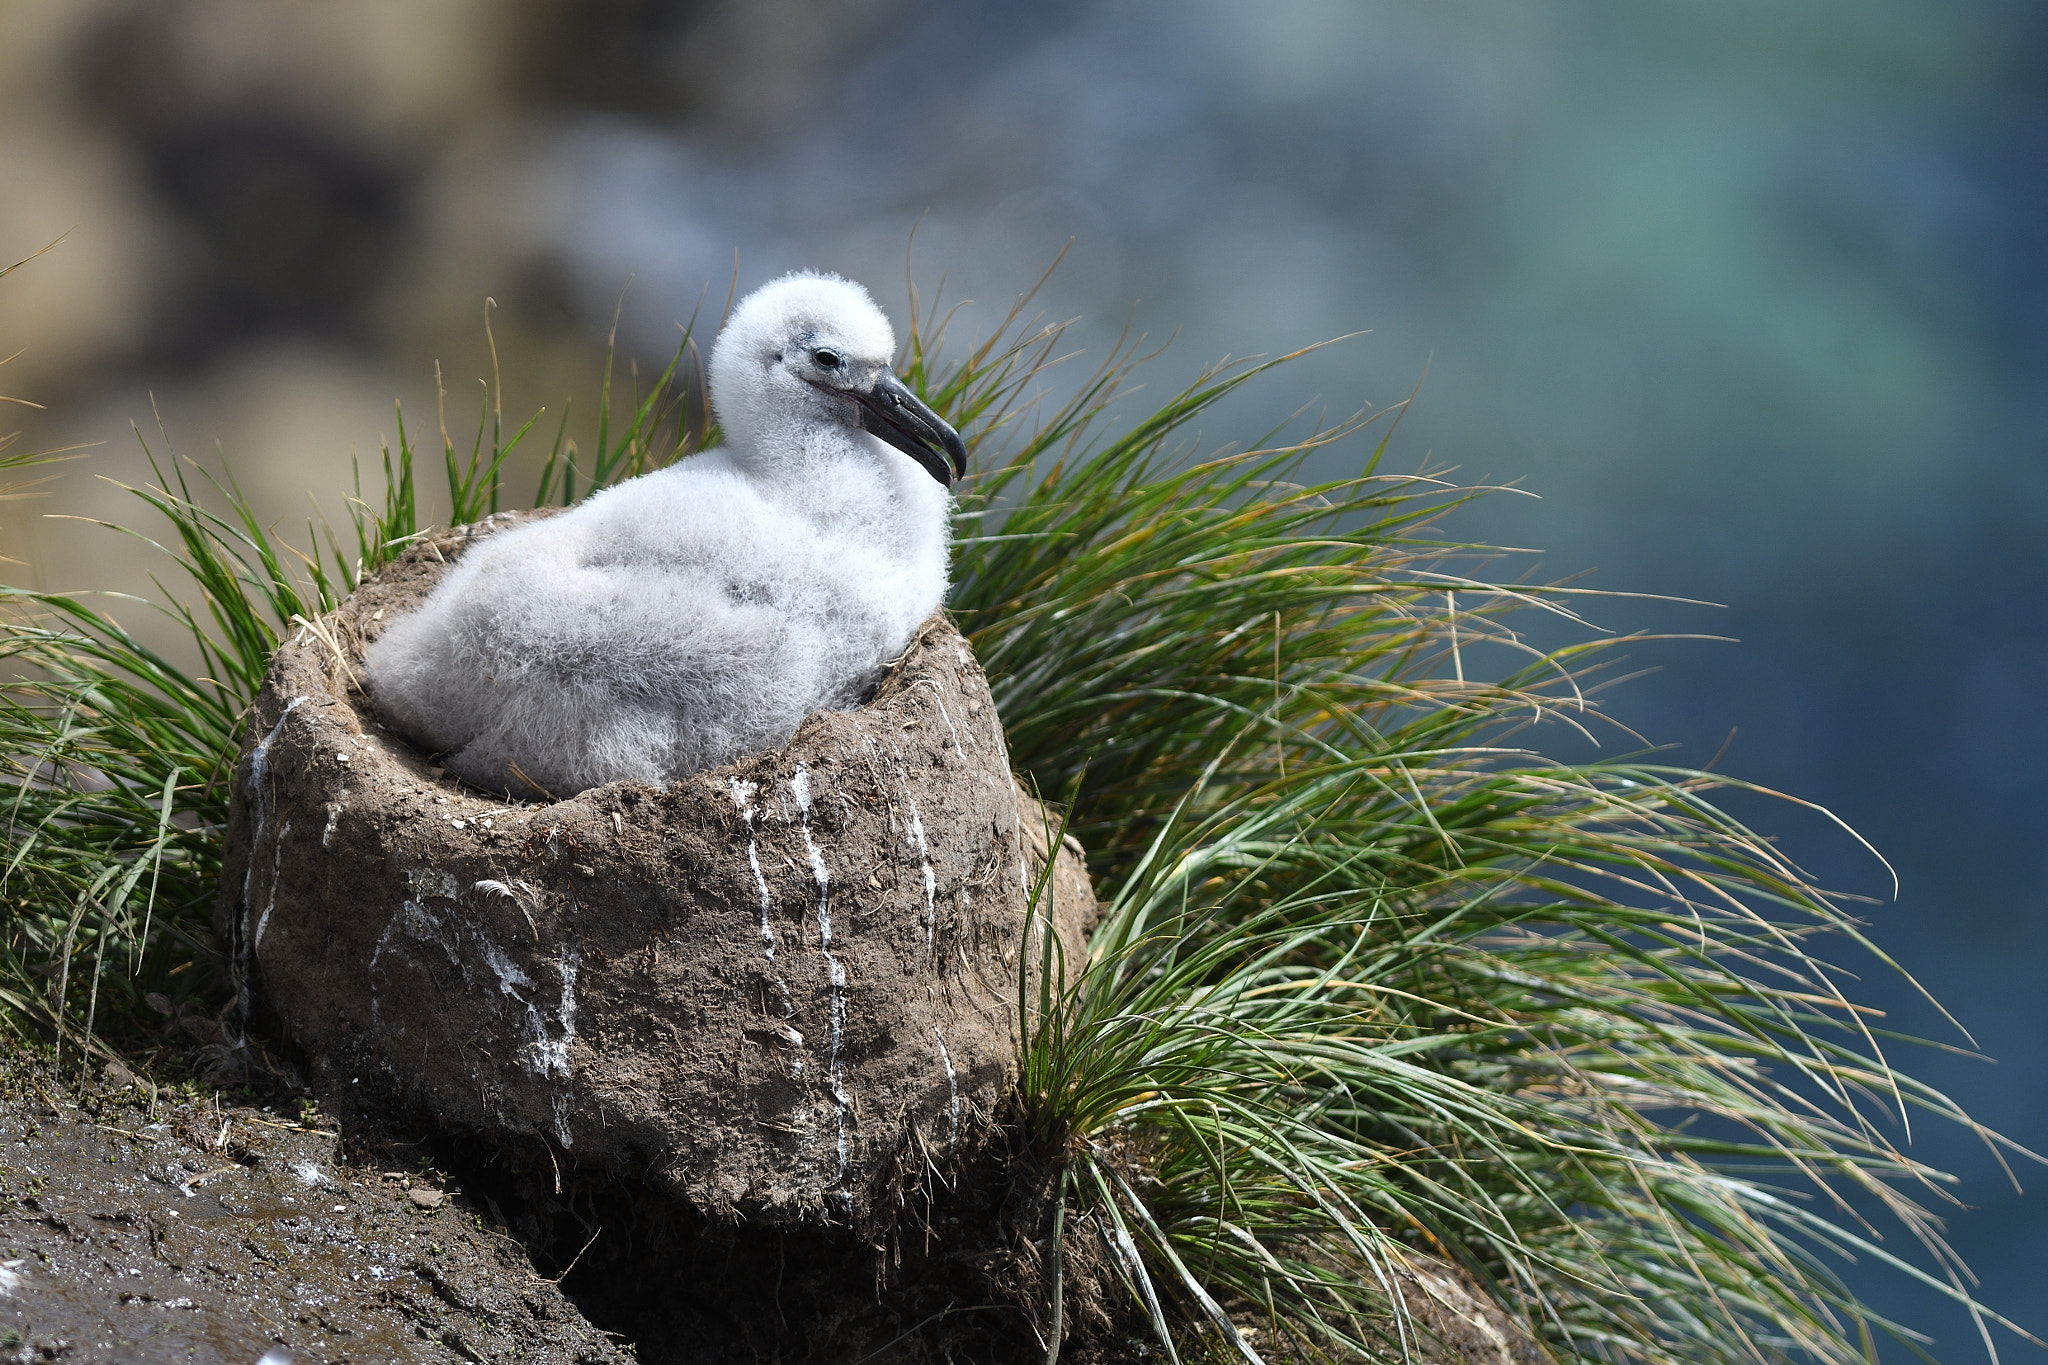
[[779, 990]]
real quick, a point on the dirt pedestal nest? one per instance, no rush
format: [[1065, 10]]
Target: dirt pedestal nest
[[781, 991]]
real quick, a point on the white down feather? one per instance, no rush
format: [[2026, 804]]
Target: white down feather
[[698, 613]]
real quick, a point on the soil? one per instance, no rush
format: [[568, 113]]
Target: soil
[[150, 1227], [146, 1224]]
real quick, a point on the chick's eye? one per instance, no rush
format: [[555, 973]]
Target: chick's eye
[[827, 360]]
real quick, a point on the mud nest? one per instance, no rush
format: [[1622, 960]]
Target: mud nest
[[781, 991]]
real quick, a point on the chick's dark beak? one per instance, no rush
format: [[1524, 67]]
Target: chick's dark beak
[[894, 413]]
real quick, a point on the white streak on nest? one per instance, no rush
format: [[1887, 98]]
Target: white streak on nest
[[415, 920], [761, 885], [931, 885], [952, 1088], [259, 773], [547, 1056], [276, 871], [417, 923], [939, 697], [257, 785], [511, 980], [915, 839], [544, 1052], [742, 794], [800, 791], [333, 818], [913, 836]]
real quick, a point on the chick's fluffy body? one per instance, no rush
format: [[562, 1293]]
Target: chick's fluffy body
[[695, 614]]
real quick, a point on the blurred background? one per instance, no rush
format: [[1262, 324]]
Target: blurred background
[[1753, 295]]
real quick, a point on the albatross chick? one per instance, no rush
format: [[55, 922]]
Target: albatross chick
[[684, 618]]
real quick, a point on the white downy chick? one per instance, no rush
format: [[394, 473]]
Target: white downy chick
[[698, 613]]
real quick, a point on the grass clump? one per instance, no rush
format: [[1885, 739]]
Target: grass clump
[[1387, 1007], [1381, 988]]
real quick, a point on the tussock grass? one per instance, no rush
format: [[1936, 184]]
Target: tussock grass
[[1379, 984], [1380, 987]]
